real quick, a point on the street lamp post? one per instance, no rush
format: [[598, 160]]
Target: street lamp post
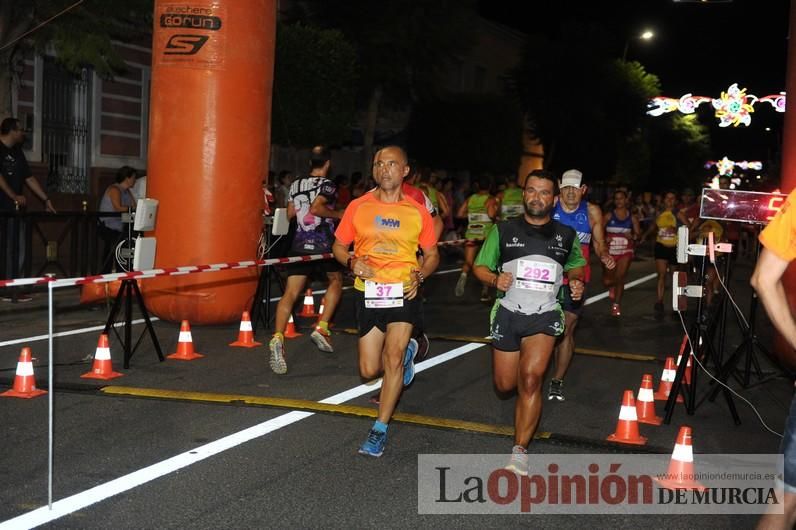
[[646, 35]]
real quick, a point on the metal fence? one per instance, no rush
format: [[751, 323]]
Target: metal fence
[[67, 244]]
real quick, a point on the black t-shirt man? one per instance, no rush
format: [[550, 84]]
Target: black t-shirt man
[[15, 170]]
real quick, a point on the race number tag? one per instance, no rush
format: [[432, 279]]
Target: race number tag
[[535, 276], [383, 295], [618, 244], [478, 218]]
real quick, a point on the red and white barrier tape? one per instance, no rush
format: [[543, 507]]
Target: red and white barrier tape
[[166, 271], [189, 269]]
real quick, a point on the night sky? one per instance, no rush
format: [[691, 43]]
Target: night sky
[[698, 47]]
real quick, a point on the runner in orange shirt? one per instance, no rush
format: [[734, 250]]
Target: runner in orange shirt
[[779, 242], [386, 228]]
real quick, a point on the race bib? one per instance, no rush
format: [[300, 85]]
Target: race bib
[[535, 276], [383, 295], [478, 218], [512, 210], [617, 244]]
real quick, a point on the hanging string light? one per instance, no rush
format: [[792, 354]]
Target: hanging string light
[[734, 107]]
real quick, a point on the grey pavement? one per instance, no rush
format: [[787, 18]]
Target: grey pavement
[[307, 473]]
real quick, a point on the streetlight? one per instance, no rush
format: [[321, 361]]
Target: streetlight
[[647, 34]]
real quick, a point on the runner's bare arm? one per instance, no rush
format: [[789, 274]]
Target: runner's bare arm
[[320, 207], [598, 236], [492, 207], [767, 281], [501, 281]]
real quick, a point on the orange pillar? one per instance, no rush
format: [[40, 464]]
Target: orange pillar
[[789, 157], [212, 75]]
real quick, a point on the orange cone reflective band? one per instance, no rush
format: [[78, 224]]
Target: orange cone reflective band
[[667, 378], [309, 305], [185, 345], [246, 335], [627, 426], [24, 382], [645, 403], [103, 366], [681, 467], [290, 331]]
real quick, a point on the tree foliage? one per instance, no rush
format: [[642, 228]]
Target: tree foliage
[[403, 46], [579, 100], [80, 37], [314, 86], [473, 132], [679, 146]]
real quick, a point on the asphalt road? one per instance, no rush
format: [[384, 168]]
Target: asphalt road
[[209, 460]]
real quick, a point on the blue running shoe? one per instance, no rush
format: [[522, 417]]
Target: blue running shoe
[[374, 444], [409, 362]]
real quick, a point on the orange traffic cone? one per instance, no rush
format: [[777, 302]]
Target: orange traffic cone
[[309, 305], [667, 378], [185, 345], [681, 467], [24, 382], [103, 366], [290, 332], [627, 426], [645, 402], [687, 375], [246, 335]]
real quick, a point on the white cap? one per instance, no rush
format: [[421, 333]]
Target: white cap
[[571, 177]]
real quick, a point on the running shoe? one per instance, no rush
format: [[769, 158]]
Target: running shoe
[[422, 346], [322, 339], [374, 444], [518, 462], [615, 311], [459, 290], [659, 310], [277, 358], [409, 362], [556, 390]]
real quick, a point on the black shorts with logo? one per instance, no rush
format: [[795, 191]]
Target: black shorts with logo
[[508, 327], [368, 318]]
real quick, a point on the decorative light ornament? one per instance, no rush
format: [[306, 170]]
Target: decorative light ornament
[[734, 107], [725, 166]]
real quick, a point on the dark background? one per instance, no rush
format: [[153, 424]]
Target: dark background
[[699, 48]]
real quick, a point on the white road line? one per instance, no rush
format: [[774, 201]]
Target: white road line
[[590, 300], [127, 482], [142, 476], [629, 285], [72, 332], [37, 338]]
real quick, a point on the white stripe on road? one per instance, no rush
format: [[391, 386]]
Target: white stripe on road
[[68, 333], [137, 478], [80, 331], [36, 338], [601, 296], [101, 492]]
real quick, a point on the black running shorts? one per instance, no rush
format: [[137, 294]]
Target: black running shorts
[[368, 318], [508, 328]]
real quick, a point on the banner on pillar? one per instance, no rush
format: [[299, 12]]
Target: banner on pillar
[[190, 35]]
